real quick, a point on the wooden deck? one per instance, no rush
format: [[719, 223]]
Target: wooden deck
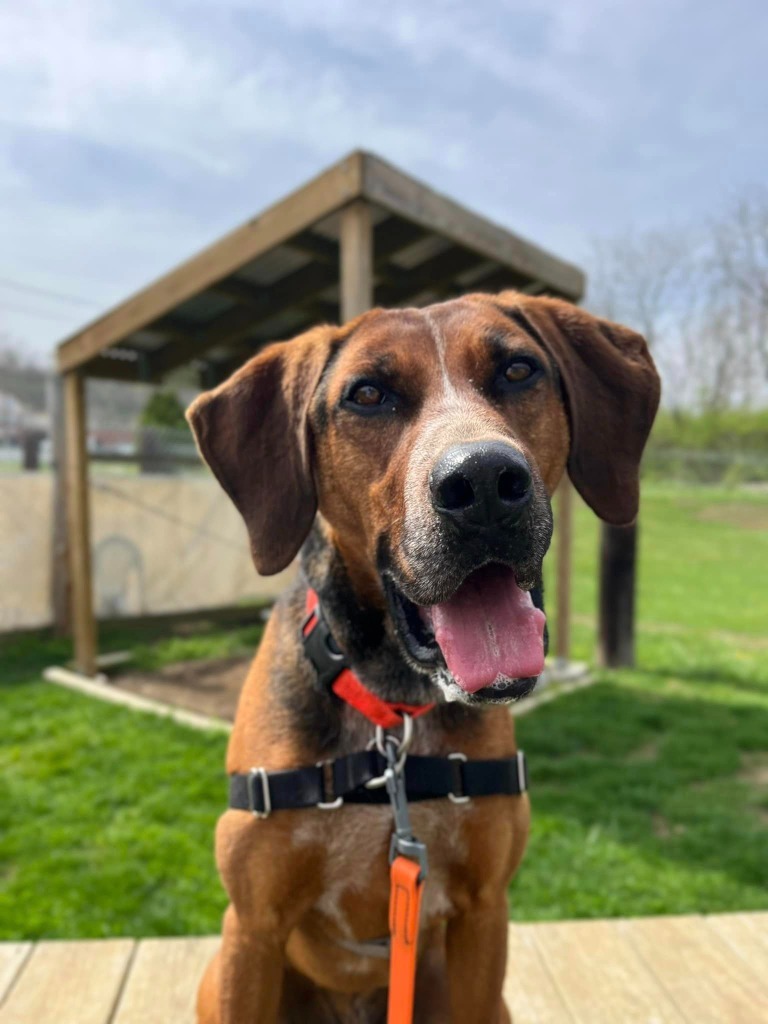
[[663, 970]]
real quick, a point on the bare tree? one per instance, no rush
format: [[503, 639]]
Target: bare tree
[[740, 269], [637, 278], [720, 368], [700, 297]]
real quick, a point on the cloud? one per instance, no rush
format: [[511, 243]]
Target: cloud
[[130, 134]]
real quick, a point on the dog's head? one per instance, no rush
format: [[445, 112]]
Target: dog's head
[[430, 441]]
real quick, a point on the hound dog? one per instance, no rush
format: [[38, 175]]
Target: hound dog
[[409, 456]]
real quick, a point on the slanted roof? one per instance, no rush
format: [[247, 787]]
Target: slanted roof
[[279, 273]]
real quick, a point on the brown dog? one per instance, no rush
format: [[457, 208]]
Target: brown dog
[[410, 455]]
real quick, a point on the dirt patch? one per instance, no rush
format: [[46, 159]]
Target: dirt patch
[[209, 687], [754, 769], [664, 829], [647, 752], [747, 516]]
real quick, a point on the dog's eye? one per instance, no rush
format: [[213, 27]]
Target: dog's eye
[[518, 371], [518, 374], [367, 395]]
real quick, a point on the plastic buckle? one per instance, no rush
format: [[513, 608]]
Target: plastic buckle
[[319, 646], [328, 805], [458, 798], [266, 799]]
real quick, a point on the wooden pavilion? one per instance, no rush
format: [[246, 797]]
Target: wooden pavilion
[[360, 234]]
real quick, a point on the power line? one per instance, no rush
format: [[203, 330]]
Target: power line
[[43, 314], [8, 282]]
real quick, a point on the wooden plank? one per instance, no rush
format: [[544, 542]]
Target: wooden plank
[[356, 260], [229, 327], [403, 195], [393, 235], [162, 986], [78, 523], [69, 983], [330, 190], [600, 976], [13, 956], [431, 275], [706, 980], [529, 990], [747, 936], [757, 921], [564, 542]]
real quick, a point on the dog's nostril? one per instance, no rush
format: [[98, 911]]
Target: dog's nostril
[[456, 492], [513, 484]]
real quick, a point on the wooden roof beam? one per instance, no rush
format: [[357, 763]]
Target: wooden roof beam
[[323, 195], [432, 274], [295, 288], [408, 198]]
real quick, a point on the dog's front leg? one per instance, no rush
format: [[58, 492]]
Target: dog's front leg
[[269, 890], [243, 982], [477, 954], [251, 979]]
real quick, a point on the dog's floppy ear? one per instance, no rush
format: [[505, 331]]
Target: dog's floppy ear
[[612, 393], [253, 432]]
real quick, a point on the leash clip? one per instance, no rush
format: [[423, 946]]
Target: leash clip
[[392, 749], [403, 842]]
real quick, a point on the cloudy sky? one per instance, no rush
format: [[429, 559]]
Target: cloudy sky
[[133, 133]]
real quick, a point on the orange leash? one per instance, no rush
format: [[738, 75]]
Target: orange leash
[[404, 908], [408, 872]]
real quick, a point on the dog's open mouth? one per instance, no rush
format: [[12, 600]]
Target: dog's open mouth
[[489, 635]]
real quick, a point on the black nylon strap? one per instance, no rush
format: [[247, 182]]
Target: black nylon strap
[[426, 778]]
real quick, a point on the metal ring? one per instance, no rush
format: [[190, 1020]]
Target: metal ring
[[402, 746]]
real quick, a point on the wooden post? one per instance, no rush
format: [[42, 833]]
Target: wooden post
[[356, 260], [563, 536], [616, 628], [61, 596], [78, 523], [31, 440]]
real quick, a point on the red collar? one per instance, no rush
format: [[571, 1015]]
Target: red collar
[[348, 687]]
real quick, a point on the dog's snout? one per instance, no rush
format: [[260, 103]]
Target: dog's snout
[[480, 484]]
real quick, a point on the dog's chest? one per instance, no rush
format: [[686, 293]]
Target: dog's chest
[[355, 862]]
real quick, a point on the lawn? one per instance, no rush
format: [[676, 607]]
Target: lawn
[[650, 788]]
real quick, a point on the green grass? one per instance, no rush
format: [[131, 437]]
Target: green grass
[[650, 788], [106, 815]]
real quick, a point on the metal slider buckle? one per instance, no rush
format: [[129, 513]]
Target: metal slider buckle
[[456, 798], [522, 774], [330, 805], [266, 799]]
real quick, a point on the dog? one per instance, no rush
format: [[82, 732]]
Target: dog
[[410, 456]]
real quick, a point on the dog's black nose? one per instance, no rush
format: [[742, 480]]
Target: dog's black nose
[[481, 484]]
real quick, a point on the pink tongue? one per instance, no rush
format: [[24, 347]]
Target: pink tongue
[[489, 628]]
